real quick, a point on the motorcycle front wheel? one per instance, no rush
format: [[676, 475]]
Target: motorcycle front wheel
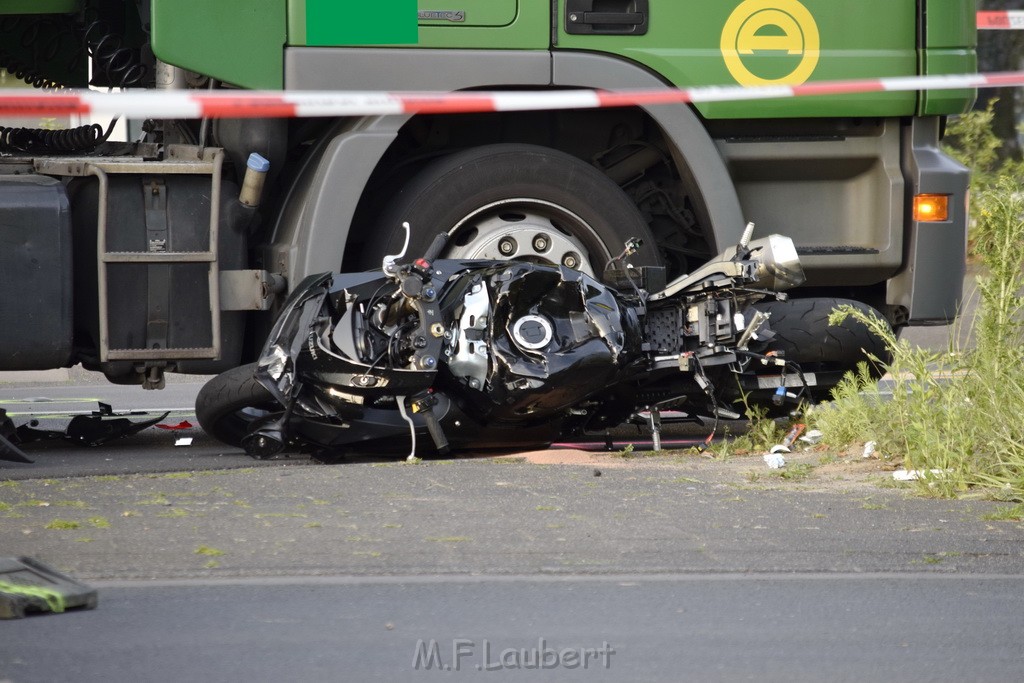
[[229, 403]]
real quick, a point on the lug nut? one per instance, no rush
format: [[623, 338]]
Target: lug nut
[[541, 243], [507, 246], [571, 260]]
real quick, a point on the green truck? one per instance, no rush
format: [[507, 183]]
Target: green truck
[[137, 258]]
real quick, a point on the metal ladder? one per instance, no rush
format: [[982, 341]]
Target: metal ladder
[[179, 159]]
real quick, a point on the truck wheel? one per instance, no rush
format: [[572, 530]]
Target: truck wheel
[[513, 201], [229, 402]]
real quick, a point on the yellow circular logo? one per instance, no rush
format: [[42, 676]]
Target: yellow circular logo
[[783, 30]]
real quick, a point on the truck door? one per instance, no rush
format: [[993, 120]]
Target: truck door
[[757, 42], [467, 13]]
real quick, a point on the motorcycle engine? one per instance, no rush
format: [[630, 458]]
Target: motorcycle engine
[[533, 340]]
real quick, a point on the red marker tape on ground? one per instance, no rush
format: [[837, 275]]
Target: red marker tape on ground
[[303, 104]]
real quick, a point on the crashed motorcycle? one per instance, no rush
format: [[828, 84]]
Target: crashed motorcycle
[[433, 355]]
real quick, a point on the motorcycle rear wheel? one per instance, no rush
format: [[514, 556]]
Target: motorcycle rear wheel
[[230, 402]]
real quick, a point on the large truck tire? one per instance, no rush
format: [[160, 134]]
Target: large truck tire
[[514, 201], [228, 403]]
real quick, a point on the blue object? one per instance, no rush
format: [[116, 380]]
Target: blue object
[[258, 163]]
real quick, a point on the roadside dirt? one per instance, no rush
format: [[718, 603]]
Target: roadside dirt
[[805, 469]]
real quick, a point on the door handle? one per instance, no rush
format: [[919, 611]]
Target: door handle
[[595, 18], [607, 17]]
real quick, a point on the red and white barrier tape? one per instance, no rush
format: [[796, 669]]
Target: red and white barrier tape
[[303, 104], [1003, 20]]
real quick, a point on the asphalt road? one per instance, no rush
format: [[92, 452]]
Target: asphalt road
[[212, 566], [624, 628]]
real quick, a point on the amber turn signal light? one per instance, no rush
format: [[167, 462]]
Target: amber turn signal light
[[930, 208]]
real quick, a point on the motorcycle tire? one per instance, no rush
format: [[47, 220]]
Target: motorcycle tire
[[229, 402], [804, 335], [514, 201]]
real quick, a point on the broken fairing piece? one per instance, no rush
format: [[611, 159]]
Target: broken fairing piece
[[184, 441], [8, 437], [96, 429], [101, 426]]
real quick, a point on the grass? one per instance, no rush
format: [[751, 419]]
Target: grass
[[62, 524], [1014, 513], [966, 424], [208, 551], [794, 472]]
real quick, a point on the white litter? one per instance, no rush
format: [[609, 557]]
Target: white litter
[[812, 437], [184, 441], [869, 449], [775, 461], [914, 475], [780, 448]]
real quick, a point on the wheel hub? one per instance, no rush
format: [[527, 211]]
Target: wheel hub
[[525, 230]]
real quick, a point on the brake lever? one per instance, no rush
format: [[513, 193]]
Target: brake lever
[[388, 263]]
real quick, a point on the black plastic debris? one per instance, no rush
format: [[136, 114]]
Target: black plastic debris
[[101, 426], [105, 425], [8, 437], [27, 585]]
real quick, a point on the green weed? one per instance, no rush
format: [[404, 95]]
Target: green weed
[[956, 411], [1013, 513], [61, 524]]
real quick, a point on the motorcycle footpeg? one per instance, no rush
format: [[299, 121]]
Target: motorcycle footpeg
[[425, 408], [436, 432]]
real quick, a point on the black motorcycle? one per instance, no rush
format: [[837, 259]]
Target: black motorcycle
[[440, 354]]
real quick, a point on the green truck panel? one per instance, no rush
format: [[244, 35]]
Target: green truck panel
[[950, 39], [476, 24], [240, 42], [751, 42], [761, 42]]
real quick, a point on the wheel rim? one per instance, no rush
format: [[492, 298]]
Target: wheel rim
[[527, 229]]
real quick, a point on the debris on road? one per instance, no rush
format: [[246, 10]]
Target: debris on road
[[101, 426], [184, 424], [27, 585], [869, 449], [812, 437], [787, 443], [183, 441], [775, 461], [914, 475]]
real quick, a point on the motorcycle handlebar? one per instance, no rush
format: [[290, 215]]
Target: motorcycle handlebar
[[436, 247]]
